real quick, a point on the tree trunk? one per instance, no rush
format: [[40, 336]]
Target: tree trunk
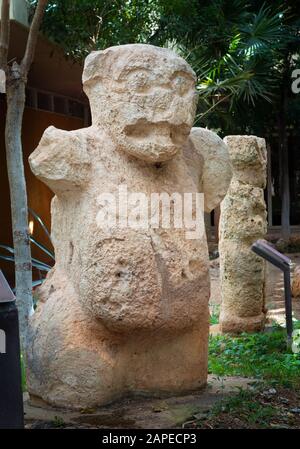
[[284, 160], [269, 186], [18, 197], [285, 194], [16, 78]]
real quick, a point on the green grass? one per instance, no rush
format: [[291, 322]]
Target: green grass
[[259, 355], [58, 422], [23, 373], [214, 314]]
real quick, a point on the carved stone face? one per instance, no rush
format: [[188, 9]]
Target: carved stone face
[[144, 97], [248, 156]]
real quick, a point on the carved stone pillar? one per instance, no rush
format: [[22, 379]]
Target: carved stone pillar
[[243, 220]]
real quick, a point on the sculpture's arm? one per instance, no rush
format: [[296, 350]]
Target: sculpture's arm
[[61, 159], [216, 172]]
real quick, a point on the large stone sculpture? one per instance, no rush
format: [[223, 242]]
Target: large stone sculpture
[[125, 309], [243, 220]]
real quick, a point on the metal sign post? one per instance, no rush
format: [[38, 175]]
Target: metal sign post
[[263, 249], [11, 396]]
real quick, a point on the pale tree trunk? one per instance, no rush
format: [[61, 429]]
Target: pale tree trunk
[[18, 196], [16, 79]]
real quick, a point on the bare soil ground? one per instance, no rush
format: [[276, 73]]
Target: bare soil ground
[[273, 408], [138, 413]]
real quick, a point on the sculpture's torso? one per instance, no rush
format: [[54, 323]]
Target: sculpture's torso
[[130, 278]]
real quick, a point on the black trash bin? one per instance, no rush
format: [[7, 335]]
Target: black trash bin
[[11, 396]]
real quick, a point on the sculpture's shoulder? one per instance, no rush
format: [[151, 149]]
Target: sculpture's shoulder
[[206, 149], [58, 143], [61, 159], [203, 146], [208, 144], [193, 160]]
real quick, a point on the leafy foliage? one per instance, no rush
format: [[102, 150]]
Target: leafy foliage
[[242, 51], [259, 355], [81, 26], [241, 74], [214, 313]]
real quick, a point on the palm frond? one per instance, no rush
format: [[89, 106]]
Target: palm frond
[[262, 32]]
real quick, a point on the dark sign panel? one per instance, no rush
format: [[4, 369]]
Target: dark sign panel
[[6, 294]]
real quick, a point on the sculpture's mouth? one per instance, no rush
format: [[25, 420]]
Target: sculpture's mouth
[[163, 134]]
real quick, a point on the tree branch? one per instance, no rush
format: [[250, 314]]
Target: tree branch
[[4, 33], [32, 37]]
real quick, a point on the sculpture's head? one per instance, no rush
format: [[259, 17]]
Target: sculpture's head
[[143, 96], [248, 155]]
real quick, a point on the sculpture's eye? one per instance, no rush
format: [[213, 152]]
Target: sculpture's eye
[[181, 83]]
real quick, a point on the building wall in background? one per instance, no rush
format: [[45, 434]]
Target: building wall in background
[[18, 11]]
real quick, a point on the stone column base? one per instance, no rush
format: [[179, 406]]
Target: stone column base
[[230, 324]]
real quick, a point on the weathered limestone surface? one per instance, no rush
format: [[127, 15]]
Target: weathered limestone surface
[[125, 310], [296, 283], [243, 220]]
